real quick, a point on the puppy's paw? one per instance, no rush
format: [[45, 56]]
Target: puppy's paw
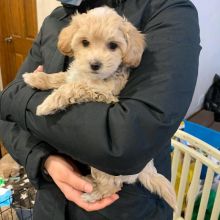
[[36, 80], [92, 197], [107, 98], [100, 192], [95, 195], [28, 79], [113, 99], [44, 109]]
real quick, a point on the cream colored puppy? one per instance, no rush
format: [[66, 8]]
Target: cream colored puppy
[[104, 46], [9, 167]]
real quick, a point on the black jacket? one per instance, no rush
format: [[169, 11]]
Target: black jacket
[[120, 138]]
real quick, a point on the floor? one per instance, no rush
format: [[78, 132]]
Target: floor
[[205, 118]]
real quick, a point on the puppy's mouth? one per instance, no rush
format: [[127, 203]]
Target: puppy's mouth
[[104, 73], [95, 72], [100, 75]]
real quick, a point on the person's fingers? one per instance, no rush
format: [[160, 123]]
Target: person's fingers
[[75, 196], [72, 184], [39, 69], [67, 190], [77, 182], [101, 204], [61, 171]]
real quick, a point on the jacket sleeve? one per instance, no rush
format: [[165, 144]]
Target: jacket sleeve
[[26, 149], [122, 138]]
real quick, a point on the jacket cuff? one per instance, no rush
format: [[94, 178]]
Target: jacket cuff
[[44, 172], [34, 164]]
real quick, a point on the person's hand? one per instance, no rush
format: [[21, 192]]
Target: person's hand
[[68, 179], [40, 68]]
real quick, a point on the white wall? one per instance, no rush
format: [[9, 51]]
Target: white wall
[[44, 8], [209, 63]]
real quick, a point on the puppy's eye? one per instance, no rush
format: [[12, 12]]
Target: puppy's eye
[[112, 45], [85, 43]]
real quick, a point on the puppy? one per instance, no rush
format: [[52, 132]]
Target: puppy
[[9, 167], [104, 46]]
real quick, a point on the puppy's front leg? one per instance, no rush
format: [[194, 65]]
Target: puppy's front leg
[[71, 93], [44, 81], [58, 100]]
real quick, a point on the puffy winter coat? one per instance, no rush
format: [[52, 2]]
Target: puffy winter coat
[[120, 138]]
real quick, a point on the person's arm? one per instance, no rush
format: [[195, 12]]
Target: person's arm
[[31, 153], [26, 149], [122, 138]]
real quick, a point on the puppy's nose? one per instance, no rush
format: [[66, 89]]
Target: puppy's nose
[[95, 65]]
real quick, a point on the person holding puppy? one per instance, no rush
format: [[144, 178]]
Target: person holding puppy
[[119, 139]]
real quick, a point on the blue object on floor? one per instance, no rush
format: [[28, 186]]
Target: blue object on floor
[[205, 134], [208, 135], [5, 197]]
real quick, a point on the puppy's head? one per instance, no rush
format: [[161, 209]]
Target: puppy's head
[[100, 40]]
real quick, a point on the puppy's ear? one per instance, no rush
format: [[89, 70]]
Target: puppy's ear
[[135, 44], [66, 36]]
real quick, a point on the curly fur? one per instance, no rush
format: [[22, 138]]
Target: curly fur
[[104, 46], [8, 167]]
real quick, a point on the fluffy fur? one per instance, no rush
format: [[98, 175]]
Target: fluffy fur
[[104, 46], [9, 167], [8, 213]]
